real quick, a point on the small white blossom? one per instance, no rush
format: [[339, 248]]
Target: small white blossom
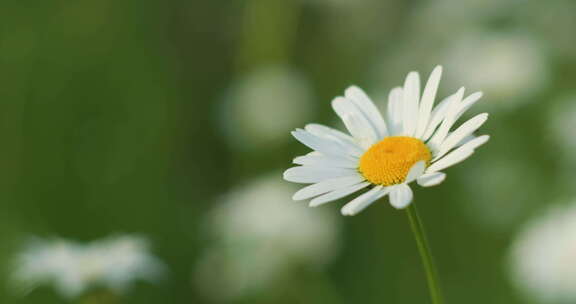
[[259, 234], [510, 68], [261, 105], [72, 268], [543, 257]]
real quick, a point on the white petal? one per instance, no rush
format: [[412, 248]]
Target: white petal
[[411, 100], [431, 179], [438, 115], [467, 103], [356, 123], [367, 107], [395, 111], [448, 121], [472, 142], [414, 172], [476, 142], [329, 133], [466, 139], [327, 186], [451, 117], [322, 130], [361, 202], [428, 101], [309, 175], [365, 135], [401, 196], [321, 144], [326, 161], [450, 159], [337, 194], [459, 134], [461, 108]]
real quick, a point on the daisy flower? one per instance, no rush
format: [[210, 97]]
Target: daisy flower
[[255, 224], [415, 142], [542, 260], [73, 268]]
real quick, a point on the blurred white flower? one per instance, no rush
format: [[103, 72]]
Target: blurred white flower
[[262, 105], [510, 68], [543, 257], [73, 268], [260, 235]]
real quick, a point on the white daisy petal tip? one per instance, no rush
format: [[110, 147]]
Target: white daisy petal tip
[[437, 69], [451, 159], [312, 204], [338, 99], [297, 160], [298, 196], [413, 76], [347, 212], [396, 92], [427, 101], [296, 132], [328, 185], [286, 175], [361, 202], [488, 137], [480, 140], [461, 134], [337, 194], [352, 89], [459, 96], [431, 179], [401, 196]]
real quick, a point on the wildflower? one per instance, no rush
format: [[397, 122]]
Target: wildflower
[[256, 224], [415, 143], [543, 257], [72, 268]]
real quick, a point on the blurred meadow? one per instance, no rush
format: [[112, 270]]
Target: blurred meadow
[[170, 121]]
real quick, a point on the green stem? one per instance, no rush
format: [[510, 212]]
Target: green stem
[[425, 254]]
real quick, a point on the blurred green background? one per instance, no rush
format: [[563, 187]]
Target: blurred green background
[[143, 116]]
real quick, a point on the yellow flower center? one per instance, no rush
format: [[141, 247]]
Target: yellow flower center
[[388, 161]]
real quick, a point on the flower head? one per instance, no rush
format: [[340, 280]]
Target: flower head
[[72, 268], [543, 257], [256, 225], [281, 92], [416, 142], [495, 69]]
